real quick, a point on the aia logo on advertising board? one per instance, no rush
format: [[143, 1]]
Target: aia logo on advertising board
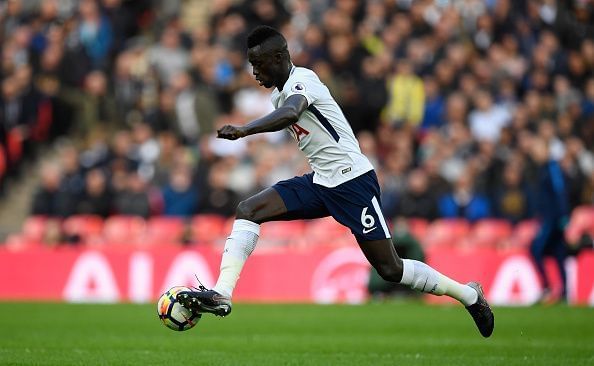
[[341, 276], [93, 277]]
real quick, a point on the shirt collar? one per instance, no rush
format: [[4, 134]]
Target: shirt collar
[[293, 67]]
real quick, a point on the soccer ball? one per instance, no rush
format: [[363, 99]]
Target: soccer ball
[[173, 314]]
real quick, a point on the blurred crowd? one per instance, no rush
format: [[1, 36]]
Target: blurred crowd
[[456, 102]]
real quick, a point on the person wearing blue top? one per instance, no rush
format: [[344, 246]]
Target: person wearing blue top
[[464, 202], [552, 209]]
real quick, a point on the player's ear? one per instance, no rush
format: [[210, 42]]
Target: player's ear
[[278, 57]]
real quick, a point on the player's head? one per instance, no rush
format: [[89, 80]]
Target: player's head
[[269, 56]]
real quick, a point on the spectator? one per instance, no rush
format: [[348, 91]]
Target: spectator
[[393, 182], [512, 199], [373, 93], [185, 108], [146, 149], [546, 131], [573, 171], [418, 201], [170, 154], [433, 115], [163, 118], [95, 198], [552, 210], [95, 108], [168, 57], [73, 180], [134, 199], [407, 97], [47, 201], [12, 17], [487, 119], [578, 165], [121, 152], [464, 202], [438, 185], [565, 94], [95, 33], [179, 196], [12, 109], [216, 197]]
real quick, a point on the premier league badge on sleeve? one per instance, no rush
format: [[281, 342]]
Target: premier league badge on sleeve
[[298, 88]]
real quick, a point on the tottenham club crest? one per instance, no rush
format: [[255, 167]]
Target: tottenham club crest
[[298, 88]]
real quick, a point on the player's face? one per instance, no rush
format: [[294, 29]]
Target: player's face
[[265, 66]]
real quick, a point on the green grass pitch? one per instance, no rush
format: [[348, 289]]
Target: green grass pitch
[[395, 333]]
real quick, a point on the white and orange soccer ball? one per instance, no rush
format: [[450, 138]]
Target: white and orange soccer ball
[[173, 314]]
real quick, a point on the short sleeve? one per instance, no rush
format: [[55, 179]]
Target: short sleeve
[[301, 86]]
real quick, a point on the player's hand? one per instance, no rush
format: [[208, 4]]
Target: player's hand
[[229, 132]]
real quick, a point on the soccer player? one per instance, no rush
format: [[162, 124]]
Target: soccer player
[[343, 185]]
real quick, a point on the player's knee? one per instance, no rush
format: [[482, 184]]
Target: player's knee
[[390, 272], [245, 211]]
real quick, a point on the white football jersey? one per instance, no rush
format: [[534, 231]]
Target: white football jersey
[[322, 132]]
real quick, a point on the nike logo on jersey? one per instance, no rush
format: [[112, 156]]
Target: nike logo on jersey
[[365, 231]]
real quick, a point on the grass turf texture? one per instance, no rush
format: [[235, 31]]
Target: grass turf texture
[[406, 333]]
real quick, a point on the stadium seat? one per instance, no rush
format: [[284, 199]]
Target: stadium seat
[[326, 231], [209, 228], [581, 222], [87, 227], [125, 230], [281, 232], [490, 233], [446, 233], [16, 242], [34, 229], [164, 230], [523, 233]]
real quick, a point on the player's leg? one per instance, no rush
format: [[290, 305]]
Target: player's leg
[[418, 275], [356, 205], [240, 244], [287, 200], [421, 277]]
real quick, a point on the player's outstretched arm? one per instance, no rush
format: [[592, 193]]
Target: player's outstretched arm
[[275, 121]]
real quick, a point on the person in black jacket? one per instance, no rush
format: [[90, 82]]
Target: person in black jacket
[[47, 200], [95, 199], [418, 201]]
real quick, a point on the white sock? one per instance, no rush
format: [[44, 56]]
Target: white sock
[[238, 247], [421, 277]]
